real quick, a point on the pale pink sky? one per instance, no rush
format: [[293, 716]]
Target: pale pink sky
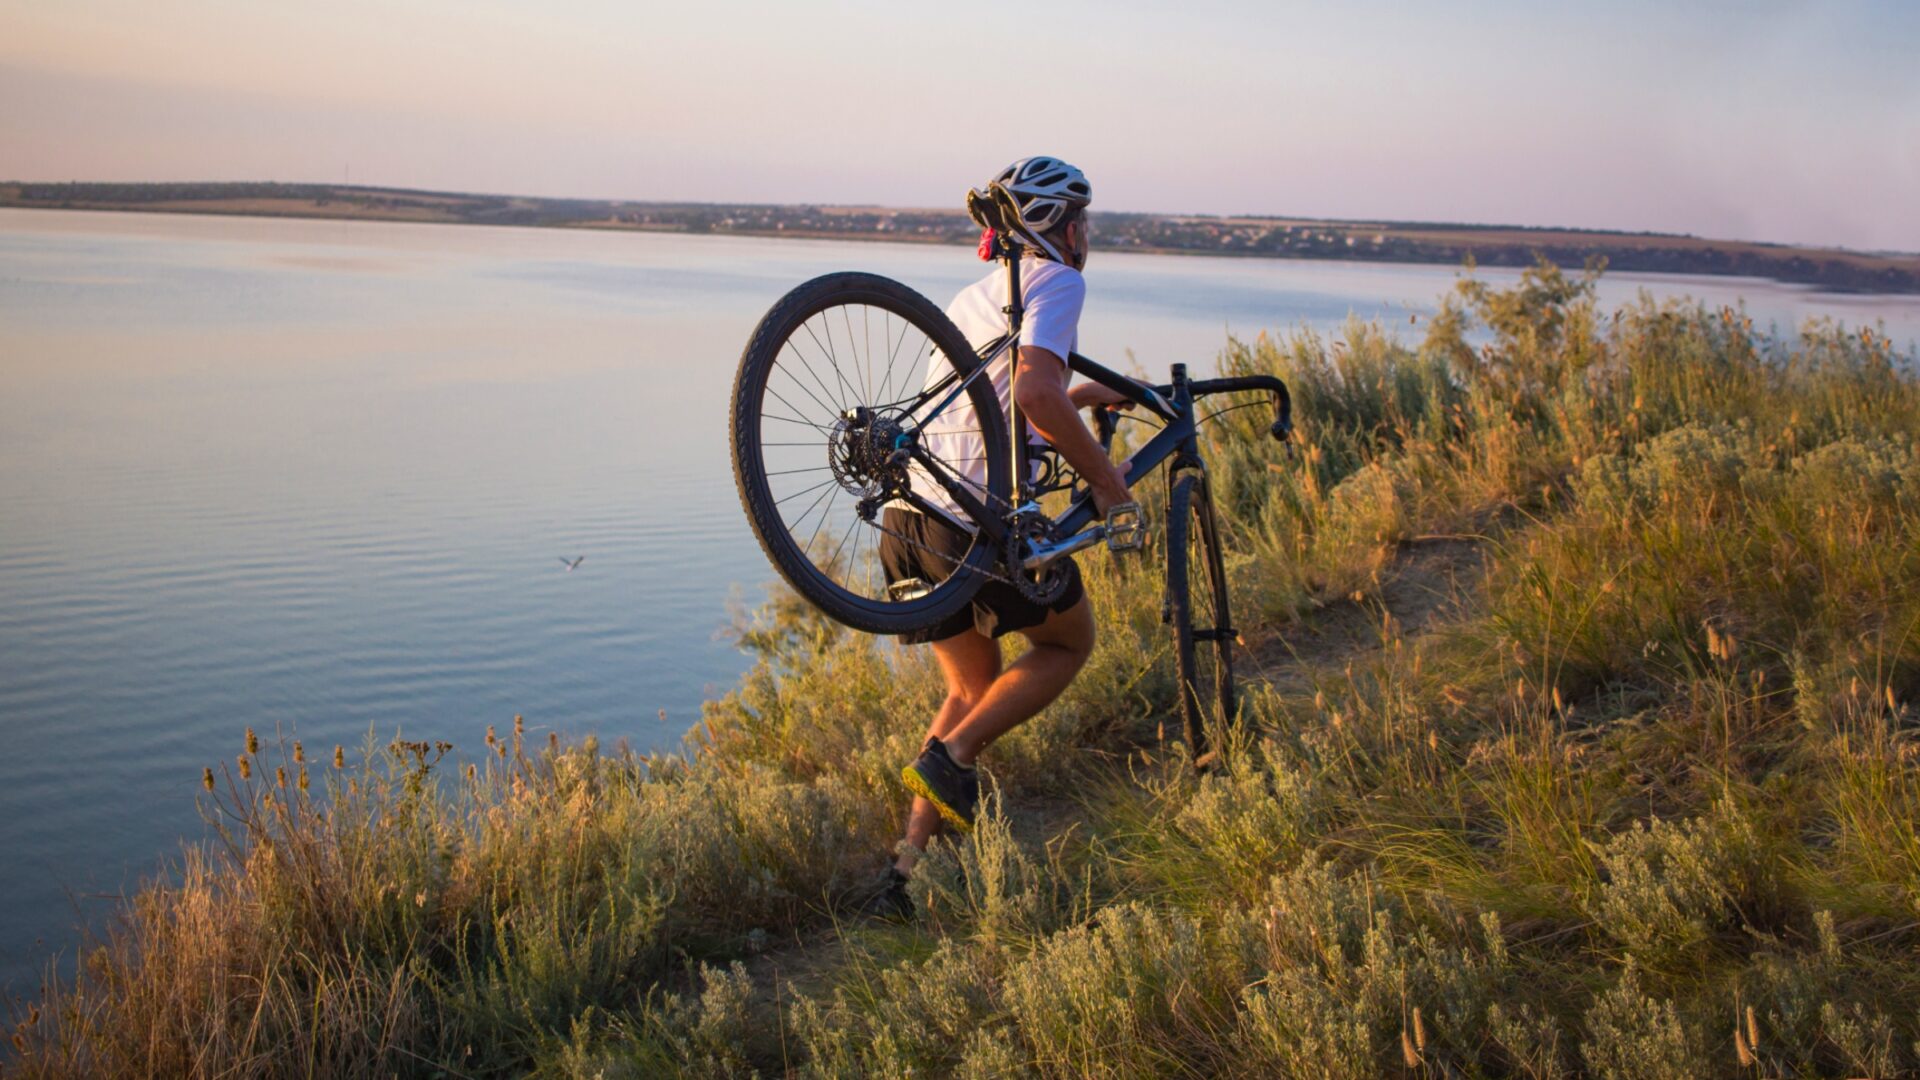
[[1763, 120]]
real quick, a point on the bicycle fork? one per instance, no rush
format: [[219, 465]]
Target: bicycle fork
[[1185, 457]]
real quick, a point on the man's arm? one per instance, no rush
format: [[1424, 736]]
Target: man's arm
[[1040, 389], [1091, 395]]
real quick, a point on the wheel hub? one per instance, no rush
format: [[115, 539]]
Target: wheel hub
[[867, 452]]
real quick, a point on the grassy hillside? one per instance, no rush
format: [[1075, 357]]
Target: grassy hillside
[[1581, 742]]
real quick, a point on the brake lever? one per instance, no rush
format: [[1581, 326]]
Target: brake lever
[[1104, 425], [1282, 429], [1282, 432]]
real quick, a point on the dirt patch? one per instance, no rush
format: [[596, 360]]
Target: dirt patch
[[1428, 579]]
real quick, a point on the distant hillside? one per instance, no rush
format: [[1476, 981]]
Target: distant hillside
[[1272, 237]]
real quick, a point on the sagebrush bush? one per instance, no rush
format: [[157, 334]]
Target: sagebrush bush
[[1671, 887], [1632, 1035], [1248, 821], [1346, 970], [986, 885], [916, 1017], [1111, 996]]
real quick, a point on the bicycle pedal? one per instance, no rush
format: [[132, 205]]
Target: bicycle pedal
[[912, 588], [1126, 529]]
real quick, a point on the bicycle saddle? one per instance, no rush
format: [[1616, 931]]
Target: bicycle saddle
[[983, 210]]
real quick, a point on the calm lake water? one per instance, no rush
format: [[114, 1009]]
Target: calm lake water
[[318, 477]]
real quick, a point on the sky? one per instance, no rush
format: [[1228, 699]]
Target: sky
[[1763, 120]]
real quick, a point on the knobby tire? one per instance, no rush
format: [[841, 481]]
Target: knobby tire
[[783, 323], [1204, 667]]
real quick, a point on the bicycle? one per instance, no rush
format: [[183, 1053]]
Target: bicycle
[[862, 427]]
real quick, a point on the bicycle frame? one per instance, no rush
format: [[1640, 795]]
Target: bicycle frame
[[1172, 402]]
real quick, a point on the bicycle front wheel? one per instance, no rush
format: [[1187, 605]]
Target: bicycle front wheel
[[830, 386], [1203, 635]]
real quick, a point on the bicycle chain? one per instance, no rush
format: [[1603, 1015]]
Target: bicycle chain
[[942, 555]]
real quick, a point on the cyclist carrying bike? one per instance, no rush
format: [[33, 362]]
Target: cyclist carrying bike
[[985, 700]]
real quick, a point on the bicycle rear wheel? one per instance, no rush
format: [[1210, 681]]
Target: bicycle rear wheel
[[829, 388], [1203, 635]]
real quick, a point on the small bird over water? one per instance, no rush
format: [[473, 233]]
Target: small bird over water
[[572, 564]]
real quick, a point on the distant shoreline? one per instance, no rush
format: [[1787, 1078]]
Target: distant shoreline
[[1419, 243]]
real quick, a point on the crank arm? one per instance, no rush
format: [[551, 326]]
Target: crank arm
[[1039, 556], [1124, 531]]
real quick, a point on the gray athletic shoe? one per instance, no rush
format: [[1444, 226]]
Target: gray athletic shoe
[[937, 778], [887, 900]]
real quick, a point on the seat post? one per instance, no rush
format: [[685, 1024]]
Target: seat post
[[1015, 310]]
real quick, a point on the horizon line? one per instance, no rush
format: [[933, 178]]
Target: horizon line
[[960, 211]]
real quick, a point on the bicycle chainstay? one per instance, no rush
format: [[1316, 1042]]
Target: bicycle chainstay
[[987, 572]]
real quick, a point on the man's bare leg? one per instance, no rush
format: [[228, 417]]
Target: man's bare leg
[[983, 702], [970, 662], [1061, 646]]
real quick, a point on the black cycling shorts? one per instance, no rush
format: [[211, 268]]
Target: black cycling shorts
[[922, 546]]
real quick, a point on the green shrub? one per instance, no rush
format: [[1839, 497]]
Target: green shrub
[[1634, 1036], [1112, 997], [1255, 818], [915, 1018], [1346, 970], [985, 884], [1671, 888]]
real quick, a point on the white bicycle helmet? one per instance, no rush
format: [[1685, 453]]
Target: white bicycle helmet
[[1046, 191]]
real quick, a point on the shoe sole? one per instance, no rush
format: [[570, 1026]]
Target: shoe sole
[[918, 785], [893, 916]]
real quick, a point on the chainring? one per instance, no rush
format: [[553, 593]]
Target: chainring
[[1050, 583]]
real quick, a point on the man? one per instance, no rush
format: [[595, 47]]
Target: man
[[985, 701]]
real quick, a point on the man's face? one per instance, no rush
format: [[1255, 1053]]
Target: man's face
[[1079, 233]]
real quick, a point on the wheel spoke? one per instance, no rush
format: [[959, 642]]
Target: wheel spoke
[[833, 358], [803, 386], [792, 344], [791, 420], [824, 496], [822, 523], [979, 490], [803, 491], [835, 561], [828, 356], [861, 369], [854, 569], [886, 384]]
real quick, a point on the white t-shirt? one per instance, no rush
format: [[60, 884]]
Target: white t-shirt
[[1052, 295]]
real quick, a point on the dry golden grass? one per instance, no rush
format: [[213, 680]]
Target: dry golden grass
[[1630, 791]]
